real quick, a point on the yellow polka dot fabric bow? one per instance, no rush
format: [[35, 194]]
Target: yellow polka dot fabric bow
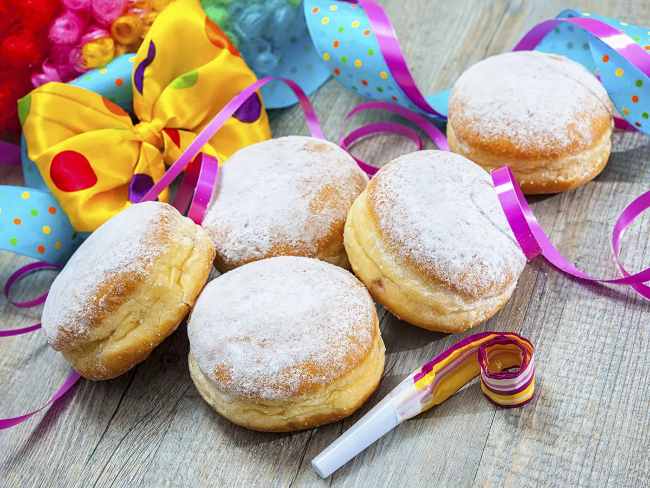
[[96, 160]]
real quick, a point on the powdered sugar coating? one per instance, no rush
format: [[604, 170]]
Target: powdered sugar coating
[[439, 212], [288, 193], [120, 251], [535, 101], [271, 328]]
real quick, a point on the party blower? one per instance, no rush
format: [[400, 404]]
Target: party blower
[[504, 360]]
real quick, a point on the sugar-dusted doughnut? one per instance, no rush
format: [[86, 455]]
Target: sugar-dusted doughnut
[[127, 288], [543, 115], [285, 343], [430, 241], [285, 196]]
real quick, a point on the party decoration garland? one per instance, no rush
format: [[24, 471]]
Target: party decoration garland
[[506, 365]]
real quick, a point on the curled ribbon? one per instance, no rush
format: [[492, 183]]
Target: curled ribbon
[[17, 276], [433, 133], [534, 242], [504, 361]]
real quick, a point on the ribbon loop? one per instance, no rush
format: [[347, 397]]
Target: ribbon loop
[[21, 273], [534, 241], [436, 136], [504, 361]]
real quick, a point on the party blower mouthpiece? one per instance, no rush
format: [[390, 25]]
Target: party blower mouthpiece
[[504, 361]]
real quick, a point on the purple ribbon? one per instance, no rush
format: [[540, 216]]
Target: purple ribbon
[[68, 384], [18, 275], [392, 53], [434, 134], [377, 128], [534, 242], [197, 187]]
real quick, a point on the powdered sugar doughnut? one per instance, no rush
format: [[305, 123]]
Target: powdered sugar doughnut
[[285, 196], [126, 288], [543, 115], [285, 343], [430, 241]]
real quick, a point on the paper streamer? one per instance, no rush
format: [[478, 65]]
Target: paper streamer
[[618, 53], [506, 365], [113, 81]]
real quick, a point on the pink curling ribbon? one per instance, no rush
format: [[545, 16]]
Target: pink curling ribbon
[[197, 187], [15, 278], [73, 376], [435, 135], [392, 53], [68, 384], [19, 274], [534, 242], [377, 128], [217, 122]]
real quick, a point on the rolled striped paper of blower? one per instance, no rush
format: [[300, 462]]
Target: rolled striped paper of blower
[[506, 365]]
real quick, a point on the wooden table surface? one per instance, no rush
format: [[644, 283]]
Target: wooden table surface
[[587, 426]]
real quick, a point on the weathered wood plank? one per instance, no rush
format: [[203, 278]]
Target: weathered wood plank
[[588, 425]]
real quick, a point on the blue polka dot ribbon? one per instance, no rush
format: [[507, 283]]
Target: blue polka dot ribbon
[[273, 39], [627, 84], [33, 224], [356, 40]]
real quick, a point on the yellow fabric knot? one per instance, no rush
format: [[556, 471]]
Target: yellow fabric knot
[[150, 132]]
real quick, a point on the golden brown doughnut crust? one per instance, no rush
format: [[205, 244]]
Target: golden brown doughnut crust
[[320, 406], [440, 255], [287, 196], [543, 115], [126, 289], [285, 343]]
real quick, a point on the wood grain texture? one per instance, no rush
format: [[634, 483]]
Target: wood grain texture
[[589, 424]]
